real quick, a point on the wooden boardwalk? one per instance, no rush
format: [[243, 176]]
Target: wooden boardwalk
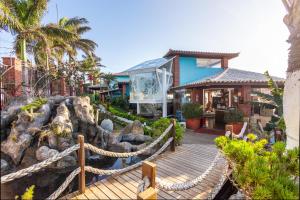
[[186, 163]]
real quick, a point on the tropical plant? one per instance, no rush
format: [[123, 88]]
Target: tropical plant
[[259, 173], [36, 104], [23, 19], [28, 194], [272, 101], [121, 102], [233, 116], [159, 126], [192, 110]]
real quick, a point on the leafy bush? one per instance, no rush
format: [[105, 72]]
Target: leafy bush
[[94, 98], [159, 126], [121, 113], [192, 110], [260, 173], [234, 115], [120, 102]]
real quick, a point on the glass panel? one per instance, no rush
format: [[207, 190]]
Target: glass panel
[[145, 86]]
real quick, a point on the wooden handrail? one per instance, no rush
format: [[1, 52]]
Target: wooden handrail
[[173, 134], [81, 162], [149, 170]]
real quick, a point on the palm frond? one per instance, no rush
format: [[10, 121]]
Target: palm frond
[[264, 96], [76, 21], [52, 30], [8, 20], [83, 29], [36, 10]]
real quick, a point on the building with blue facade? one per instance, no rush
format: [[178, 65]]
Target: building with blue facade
[[205, 78]]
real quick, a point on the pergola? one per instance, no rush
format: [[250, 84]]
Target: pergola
[[150, 82]]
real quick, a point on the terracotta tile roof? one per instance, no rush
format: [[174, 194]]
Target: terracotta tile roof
[[124, 73], [201, 54], [233, 76]]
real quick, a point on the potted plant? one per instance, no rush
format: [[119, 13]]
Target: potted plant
[[192, 113], [235, 118]]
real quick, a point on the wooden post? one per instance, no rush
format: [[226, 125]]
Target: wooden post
[[173, 134], [149, 170], [81, 162], [97, 117]]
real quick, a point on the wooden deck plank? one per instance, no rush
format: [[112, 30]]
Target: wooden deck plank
[[98, 192], [89, 194], [186, 163], [106, 191]]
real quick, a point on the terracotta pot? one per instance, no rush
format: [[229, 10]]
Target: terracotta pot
[[193, 123], [237, 127]]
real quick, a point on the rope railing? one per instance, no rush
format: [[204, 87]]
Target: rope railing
[[129, 154], [81, 170], [162, 184], [38, 166], [65, 184], [119, 171]]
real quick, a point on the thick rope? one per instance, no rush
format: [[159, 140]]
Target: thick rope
[[119, 171], [220, 184], [65, 184], [188, 184], [126, 155], [38, 166]]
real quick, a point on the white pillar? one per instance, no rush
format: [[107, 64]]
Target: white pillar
[[138, 109], [164, 92]]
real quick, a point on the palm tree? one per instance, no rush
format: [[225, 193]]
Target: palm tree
[[23, 19], [61, 47], [79, 26], [291, 97]]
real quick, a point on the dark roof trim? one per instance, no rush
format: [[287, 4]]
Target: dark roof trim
[[201, 54]]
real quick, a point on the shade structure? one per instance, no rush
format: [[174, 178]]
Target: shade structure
[[147, 81], [150, 82]]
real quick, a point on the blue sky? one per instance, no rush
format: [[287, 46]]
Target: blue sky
[[132, 31]]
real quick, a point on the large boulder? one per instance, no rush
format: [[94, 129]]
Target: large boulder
[[4, 165], [134, 138], [108, 125], [44, 153], [20, 136], [135, 128], [67, 161], [83, 109]]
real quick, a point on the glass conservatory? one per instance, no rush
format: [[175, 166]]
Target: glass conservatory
[[150, 82]]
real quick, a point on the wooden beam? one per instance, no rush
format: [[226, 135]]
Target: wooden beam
[[81, 162], [173, 144], [150, 193], [149, 170]]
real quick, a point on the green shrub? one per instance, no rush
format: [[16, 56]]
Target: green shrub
[[234, 115], [159, 126], [120, 102], [94, 98], [262, 174], [118, 112], [192, 110]]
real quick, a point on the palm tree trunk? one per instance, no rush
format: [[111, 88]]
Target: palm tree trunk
[[47, 77], [291, 97], [24, 67]]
